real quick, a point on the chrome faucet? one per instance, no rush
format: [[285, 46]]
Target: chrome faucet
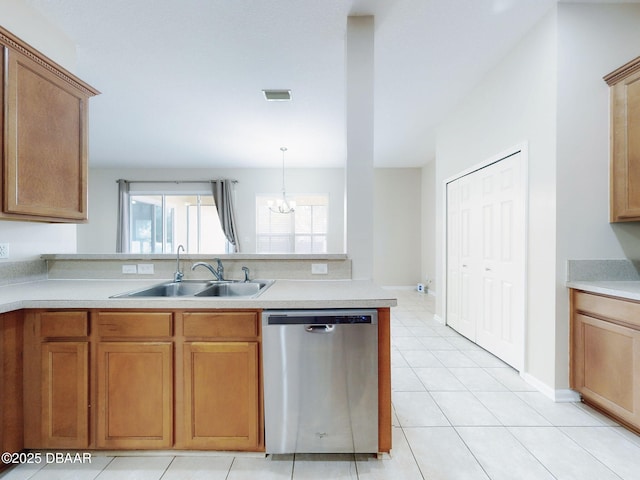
[[219, 273], [177, 277], [246, 274]]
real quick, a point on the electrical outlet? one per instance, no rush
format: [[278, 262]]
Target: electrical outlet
[[319, 269], [129, 269], [145, 268], [4, 250]]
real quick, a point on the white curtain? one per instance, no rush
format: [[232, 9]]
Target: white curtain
[[122, 239], [223, 197]]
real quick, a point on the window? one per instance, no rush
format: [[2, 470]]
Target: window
[[161, 222], [303, 231]]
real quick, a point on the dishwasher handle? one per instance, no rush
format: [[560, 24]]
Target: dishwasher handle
[[320, 328], [320, 317]]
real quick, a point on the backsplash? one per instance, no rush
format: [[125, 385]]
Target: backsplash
[[22, 272], [602, 270], [290, 267]]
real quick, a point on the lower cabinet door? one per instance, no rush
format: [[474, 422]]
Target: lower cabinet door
[[135, 395], [605, 368], [65, 396], [221, 395]]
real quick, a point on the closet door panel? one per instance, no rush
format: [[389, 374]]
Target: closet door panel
[[486, 258]]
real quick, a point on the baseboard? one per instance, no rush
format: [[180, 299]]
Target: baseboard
[[564, 395], [567, 395]]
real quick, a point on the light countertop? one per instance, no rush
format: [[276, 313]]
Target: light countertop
[[616, 288], [282, 294]]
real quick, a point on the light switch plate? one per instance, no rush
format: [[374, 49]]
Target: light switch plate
[[145, 268], [129, 269]]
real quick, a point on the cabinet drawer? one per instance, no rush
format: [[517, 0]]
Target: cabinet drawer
[[221, 324], [64, 324], [135, 324], [616, 309]]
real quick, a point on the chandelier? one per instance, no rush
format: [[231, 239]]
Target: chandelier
[[283, 205]]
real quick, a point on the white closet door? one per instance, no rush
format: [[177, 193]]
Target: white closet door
[[486, 258], [461, 254], [500, 326]]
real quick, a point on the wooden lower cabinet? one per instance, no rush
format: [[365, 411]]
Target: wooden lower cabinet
[[144, 379], [135, 395], [11, 410], [65, 394], [56, 379], [385, 413], [605, 353], [222, 402]]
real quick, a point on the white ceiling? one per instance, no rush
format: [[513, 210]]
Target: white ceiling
[[181, 81]]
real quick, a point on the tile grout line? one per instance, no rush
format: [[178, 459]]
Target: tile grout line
[[173, 459], [233, 460], [412, 452], [104, 468], [587, 451]]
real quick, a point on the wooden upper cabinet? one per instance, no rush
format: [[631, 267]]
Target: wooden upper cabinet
[[45, 149], [624, 83]]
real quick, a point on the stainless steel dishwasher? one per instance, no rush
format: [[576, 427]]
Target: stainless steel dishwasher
[[320, 372]]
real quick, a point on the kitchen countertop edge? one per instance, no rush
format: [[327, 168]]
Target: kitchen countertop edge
[[628, 289], [283, 294]]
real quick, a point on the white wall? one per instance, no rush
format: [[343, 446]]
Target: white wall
[[99, 235], [397, 226], [515, 103], [396, 209], [549, 92], [593, 40], [428, 202], [28, 240], [31, 27], [359, 173]]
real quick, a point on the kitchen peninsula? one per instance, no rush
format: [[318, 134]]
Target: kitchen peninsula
[[135, 373]]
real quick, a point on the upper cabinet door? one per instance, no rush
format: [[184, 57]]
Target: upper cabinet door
[[625, 142], [44, 175]]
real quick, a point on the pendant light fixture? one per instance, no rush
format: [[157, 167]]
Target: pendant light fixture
[[283, 205]]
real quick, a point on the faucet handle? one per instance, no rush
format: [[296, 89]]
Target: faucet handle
[[246, 274]]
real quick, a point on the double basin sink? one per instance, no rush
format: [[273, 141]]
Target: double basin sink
[[202, 288]]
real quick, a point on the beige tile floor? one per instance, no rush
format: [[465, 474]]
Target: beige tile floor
[[460, 413]]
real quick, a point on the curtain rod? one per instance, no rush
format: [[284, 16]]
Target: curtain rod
[[172, 181]]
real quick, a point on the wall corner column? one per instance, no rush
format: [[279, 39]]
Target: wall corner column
[[359, 165]]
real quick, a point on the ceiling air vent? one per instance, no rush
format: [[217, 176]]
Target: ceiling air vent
[[277, 95]]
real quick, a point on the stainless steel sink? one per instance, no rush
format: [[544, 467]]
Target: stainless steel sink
[[236, 289], [201, 288]]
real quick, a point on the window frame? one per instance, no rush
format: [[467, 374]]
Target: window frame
[[167, 189], [262, 201]]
